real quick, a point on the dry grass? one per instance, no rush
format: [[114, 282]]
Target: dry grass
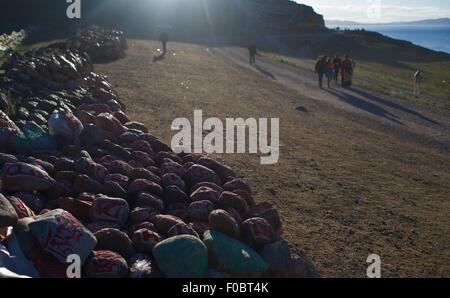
[[344, 190]]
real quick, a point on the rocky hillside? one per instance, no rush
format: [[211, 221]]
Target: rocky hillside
[[187, 20]]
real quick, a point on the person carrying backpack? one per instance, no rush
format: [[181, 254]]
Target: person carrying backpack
[[418, 77]]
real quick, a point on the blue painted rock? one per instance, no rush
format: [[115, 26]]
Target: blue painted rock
[[110, 209], [232, 256], [150, 200], [183, 256], [105, 264], [173, 179], [198, 173], [144, 240], [163, 223], [143, 266], [220, 220], [173, 194], [21, 208], [229, 199], [182, 229], [139, 185], [60, 234], [205, 193], [20, 176], [8, 215], [220, 169], [114, 240], [257, 232], [200, 210]]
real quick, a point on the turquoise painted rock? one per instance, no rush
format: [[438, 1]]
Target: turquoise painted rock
[[182, 256], [233, 256]]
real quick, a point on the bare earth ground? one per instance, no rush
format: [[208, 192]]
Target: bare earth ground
[[355, 176]]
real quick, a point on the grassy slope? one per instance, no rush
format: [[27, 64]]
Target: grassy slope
[[393, 80]]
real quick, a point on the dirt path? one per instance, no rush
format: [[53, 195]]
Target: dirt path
[[346, 187]]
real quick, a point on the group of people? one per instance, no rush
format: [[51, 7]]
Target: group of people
[[331, 68]]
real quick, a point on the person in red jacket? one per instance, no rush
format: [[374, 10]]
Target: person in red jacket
[[329, 71]]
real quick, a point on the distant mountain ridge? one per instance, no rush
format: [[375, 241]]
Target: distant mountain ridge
[[429, 22]]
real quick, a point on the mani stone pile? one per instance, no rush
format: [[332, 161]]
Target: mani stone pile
[[78, 177]]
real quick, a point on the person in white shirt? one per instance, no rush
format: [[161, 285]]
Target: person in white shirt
[[418, 76]]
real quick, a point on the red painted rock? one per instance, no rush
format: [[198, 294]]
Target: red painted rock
[[142, 214], [235, 214], [20, 176], [144, 240], [246, 196], [114, 240], [273, 217], [169, 166], [120, 179], [173, 194], [61, 234], [119, 167], [182, 229], [113, 189], [84, 183], [150, 200], [229, 199], [163, 223], [33, 200], [199, 227], [256, 232], [142, 173], [205, 193], [237, 183], [143, 157], [198, 173], [173, 179], [200, 210], [79, 209], [89, 167], [99, 225], [139, 185], [209, 185], [143, 225], [110, 123], [105, 264], [167, 154], [110, 209], [222, 221], [222, 170], [21, 208]]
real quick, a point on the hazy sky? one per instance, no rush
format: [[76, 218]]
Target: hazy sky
[[377, 11]]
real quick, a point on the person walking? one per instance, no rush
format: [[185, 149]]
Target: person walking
[[418, 77], [164, 38], [329, 71], [337, 67], [320, 69], [252, 53], [347, 71]]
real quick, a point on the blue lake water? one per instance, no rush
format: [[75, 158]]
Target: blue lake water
[[433, 37]]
